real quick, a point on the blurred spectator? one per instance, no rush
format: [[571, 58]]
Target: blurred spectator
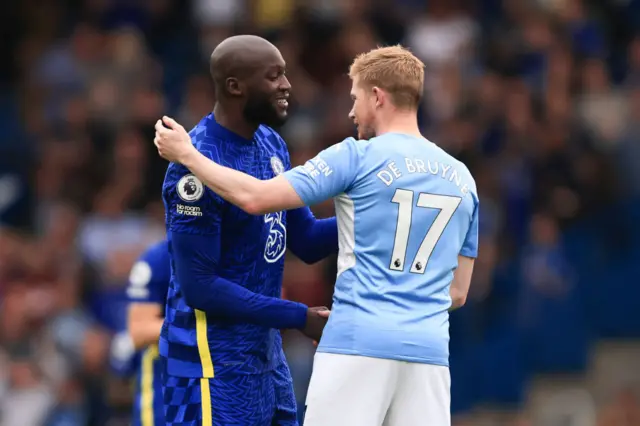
[[602, 109], [622, 410]]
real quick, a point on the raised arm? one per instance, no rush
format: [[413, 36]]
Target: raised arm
[[252, 195], [323, 177]]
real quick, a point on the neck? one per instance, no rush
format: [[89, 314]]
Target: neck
[[405, 122], [234, 122]]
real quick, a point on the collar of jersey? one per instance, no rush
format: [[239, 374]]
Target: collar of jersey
[[217, 131]]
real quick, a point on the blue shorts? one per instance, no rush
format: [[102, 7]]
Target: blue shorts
[[249, 400]]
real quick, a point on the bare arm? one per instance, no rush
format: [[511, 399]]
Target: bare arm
[[252, 195], [461, 282], [144, 323]]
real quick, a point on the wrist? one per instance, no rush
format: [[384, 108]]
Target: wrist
[[301, 312], [189, 157]]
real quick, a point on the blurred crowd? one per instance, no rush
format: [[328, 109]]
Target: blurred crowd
[[540, 98]]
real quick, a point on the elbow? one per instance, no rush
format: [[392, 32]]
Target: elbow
[[191, 298], [253, 203], [458, 302], [135, 336], [301, 245], [309, 258], [260, 200], [253, 207], [209, 302], [136, 333], [458, 299]]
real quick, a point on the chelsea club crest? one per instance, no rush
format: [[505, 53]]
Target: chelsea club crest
[[276, 165], [276, 244]]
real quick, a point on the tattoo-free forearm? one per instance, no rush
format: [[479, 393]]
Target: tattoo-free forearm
[[236, 187]]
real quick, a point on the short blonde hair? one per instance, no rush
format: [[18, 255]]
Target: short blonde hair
[[394, 69]]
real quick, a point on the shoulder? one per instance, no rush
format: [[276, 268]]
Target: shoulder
[[276, 146], [155, 257], [351, 145], [180, 181], [150, 272], [350, 149], [471, 182], [205, 141], [345, 153], [266, 131], [460, 167], [148, 265], [157, 253], [270, 137]]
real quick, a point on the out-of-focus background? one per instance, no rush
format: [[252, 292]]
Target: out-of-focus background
[[541, 99]]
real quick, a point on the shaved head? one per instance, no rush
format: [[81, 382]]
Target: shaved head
[[249, 73], [239, 57]]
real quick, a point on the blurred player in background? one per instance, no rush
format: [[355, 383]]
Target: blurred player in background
[[408, 231], [221, 340], [147, 292]]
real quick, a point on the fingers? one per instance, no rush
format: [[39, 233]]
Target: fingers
[[171, 123], [171, 140], [324, 313], [156, 142], [160, 128]]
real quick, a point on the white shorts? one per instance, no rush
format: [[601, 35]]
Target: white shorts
[[352, 390]]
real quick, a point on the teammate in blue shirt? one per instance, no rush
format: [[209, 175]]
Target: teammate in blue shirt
[[147, 292], [220, 340], [408, 231]]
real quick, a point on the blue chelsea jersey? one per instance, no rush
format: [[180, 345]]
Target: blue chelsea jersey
[[252, 250], [149, 283]]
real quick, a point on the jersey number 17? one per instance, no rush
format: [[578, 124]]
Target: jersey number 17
[[446, 205]]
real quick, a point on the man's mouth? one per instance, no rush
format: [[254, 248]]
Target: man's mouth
[[283, 101]]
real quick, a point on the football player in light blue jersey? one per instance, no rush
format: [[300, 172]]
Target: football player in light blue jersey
[[407, 217]]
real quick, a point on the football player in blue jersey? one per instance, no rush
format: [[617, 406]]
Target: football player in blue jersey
[[220, 340], [408, 231], [147, 293]]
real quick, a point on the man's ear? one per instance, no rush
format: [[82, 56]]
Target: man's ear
[[379, 96], [234, 87]]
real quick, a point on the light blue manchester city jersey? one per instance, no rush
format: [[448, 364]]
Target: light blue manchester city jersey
[[405, 209]]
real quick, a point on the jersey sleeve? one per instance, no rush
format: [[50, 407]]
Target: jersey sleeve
[[196, 260], [191, 207], [310, 239], [330, 173], [149, 277], [470, 245], [194, 223]]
